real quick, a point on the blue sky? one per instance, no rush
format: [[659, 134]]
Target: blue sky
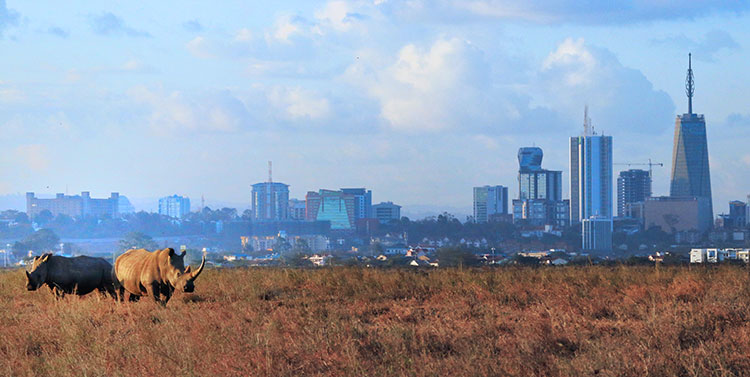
[[417, 100]]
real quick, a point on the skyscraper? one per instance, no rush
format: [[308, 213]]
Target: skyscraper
[[334, 206], [530, 158], [362, 202], [633, 186], [590, 174], [539, 191], [690, 171], [488, 201], [174, 206], [270, 201]]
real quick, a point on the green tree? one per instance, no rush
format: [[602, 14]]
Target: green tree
[[41, 241], [137, 240], [43, 217]]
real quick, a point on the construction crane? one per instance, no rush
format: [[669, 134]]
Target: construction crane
[[649, 164]]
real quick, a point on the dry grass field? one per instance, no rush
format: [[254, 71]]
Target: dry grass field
[[576, 321]]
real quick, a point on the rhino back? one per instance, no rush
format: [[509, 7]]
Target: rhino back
[[79, 274], [135, 267]]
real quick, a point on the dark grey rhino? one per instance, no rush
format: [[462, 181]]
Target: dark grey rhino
[[79, 275]]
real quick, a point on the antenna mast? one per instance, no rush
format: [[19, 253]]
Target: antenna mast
[[690, 84], [270, 171], [586, 121]]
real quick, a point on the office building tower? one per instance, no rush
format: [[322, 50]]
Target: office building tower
[[270, 201], [633, 186], [539, 191], [174, 206], [386, 211], [590, 174], [74, 205], [490, 201], [597, 234], [296, 209], [530, 158], [362, 202], [690, 169], [334, 206], [737, 214]]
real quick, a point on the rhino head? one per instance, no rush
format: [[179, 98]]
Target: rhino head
[[37, 274], [180, 277]]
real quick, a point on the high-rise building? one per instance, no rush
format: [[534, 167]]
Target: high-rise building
[[362, 202], [334, 206], [633, 186], [174, 206], [690, 169], [270, 201], [530, 158], [296, 209], [386, 211], [590, 174], [489, 201], [737, 214], [73, 205], [539, 191], [597, 234]]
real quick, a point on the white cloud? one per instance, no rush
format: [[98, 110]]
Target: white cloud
[[338, 14], [623, 99], [298, 103], [428, 89], [561, 11], [175, 112]]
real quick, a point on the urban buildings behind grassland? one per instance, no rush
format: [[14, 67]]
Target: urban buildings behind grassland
[[75, 206], [591, 186], [539, 200], [633, 186], [677, 214], [386, 211], [490, 201], [270, 201], [175, 206], [691, 176], [334, 206]]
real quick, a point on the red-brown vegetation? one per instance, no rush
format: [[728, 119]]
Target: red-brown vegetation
[[576, 321]]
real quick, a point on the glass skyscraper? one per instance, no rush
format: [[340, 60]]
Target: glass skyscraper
[[590, 176], [270, 201], [488, 201], [690, 170]]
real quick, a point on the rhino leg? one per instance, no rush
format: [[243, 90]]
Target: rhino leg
[[154, 291]]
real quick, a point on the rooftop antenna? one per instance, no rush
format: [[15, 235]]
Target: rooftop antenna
[[587, 129], [690, 84], [270, 171]]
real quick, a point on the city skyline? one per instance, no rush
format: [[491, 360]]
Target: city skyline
[[149, 102]]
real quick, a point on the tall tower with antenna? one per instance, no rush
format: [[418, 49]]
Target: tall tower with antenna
[[691, 176], [590, 173], [270, 200]]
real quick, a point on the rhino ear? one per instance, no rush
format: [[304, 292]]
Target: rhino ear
[[171, 251], [45, 257]]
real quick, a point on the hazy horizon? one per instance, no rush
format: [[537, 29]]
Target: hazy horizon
[[418, 101]]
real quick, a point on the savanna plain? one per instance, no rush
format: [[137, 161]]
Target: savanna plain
[[571, 321]]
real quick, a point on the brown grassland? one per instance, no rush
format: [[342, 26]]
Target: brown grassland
[[573, 321]]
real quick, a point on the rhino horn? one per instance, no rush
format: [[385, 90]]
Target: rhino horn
[[199, 270], [28, 276]]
